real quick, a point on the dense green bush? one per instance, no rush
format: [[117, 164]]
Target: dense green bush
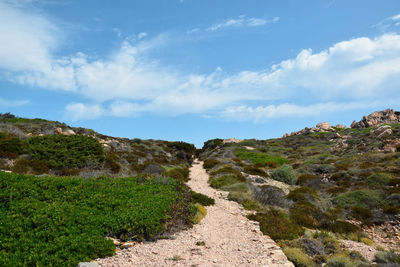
[[257, 157], [277, 225], [61, 151], [60, 221], [182, 146], [202, 199], [284, 173], [11, 146], [367, 199], [340, 261]]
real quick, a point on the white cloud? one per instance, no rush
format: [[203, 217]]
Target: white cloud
[[142, 35], [128, 83], [81, 111], [389, 24], [263, 113], [242, 21], [7, 103]]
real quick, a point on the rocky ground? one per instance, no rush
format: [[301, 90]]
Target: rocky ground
[[225, 237]]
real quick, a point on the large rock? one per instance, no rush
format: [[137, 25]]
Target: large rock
[[323, 126], [383, 131], [377, 118]]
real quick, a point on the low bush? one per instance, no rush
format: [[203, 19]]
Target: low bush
[[367, 199], [211, 144], [61, 151], [210, 163], [277, 225], [201, 199], [298, 257], [387, 257], [257, 157], [199, 214], [340, 261], [61, 221], [362, 214], [180, 174], [284, 173], [255, 171], [379, 179], [11, 146], [226, 180], [302, 214], [270, 195], [343, 227]]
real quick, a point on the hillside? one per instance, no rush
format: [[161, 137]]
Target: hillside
[[327, 195], [38, 146], [314, 187]]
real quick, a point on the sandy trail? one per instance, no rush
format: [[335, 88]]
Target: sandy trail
[[230, 238]]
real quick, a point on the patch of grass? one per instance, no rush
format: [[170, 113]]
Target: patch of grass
[[340, 261], [61, 151], [61, 221], [277, 225], [257, 157], [210, 163]]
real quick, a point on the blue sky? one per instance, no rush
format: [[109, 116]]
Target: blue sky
[[193, 70]]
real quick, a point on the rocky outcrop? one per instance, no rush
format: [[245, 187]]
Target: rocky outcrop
[[232, 140], [382, 131], [377, 118], [320, 127]]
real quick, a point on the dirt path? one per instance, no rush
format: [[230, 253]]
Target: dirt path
[[230, 238]]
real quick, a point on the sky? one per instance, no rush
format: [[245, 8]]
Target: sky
[[194, 70]]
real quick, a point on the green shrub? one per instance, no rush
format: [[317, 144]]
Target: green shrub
[[182, 146], [340, 261], [302, 214], [362, 214], [298, 257], [284, 173], [367, 199], [257, 157], [211, 144], [344, 227], [11, 146], [277, 225], [201, 212], [379, 179], [255, 171], [210, 163], [387, 257], [181, 174], [202, 199], [60, 221], [303, 194], [61, 151], [226, 180]]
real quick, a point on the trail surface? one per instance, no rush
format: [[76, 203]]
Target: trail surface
[[230, 238]]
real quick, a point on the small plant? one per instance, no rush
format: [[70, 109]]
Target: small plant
[[175, 258], [367, 199], [367, 241], [284, 173], [200, 243], [199, 213], [298, 257]]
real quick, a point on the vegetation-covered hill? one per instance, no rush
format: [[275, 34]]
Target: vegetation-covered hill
[[37, 146], [311, 187], [69, 195]]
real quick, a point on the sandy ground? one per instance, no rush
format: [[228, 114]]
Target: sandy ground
[[230, 238]]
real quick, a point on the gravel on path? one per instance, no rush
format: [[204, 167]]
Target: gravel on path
[[230, 239]]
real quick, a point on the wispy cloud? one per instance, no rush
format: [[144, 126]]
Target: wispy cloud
[[129, 83], [8, 103], [391, 23], [242, 21]]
